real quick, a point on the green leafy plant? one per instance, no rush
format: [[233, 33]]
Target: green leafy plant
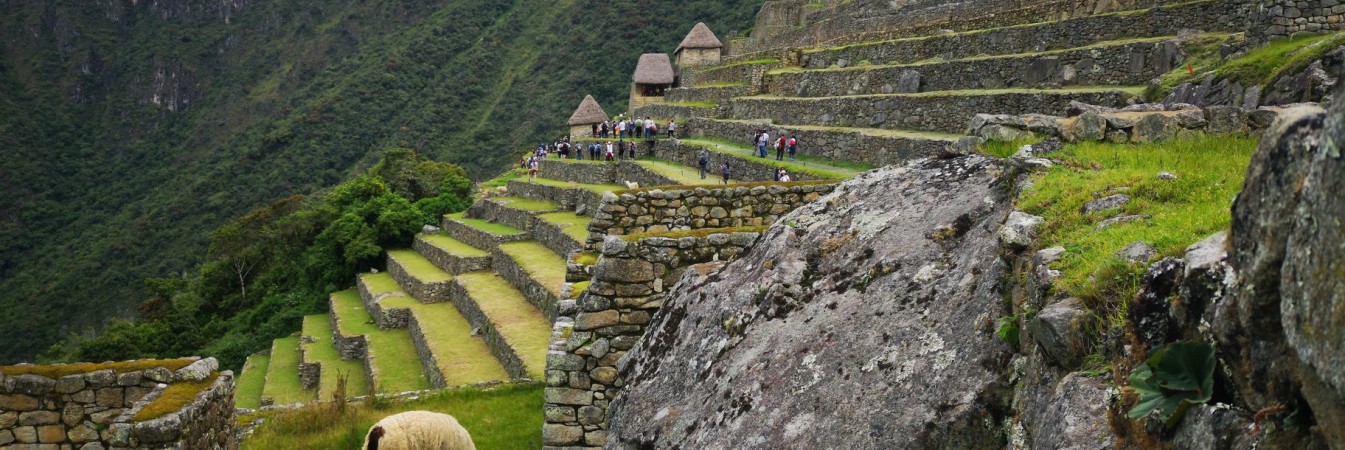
[[1008, 329], [1174, 377]]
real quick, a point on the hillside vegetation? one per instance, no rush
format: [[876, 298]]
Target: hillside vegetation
[[130, 130]]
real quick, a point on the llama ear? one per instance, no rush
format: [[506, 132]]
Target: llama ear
[[374, 436]]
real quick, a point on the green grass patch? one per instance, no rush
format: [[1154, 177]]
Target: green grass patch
[[489, 227], [690, 104], [248, 390], [323, 351], [392, 352], [503, 179], [461, 357], [540, 262], [419, 267], [741, 150], [579, 288], [700, 232], [381, 283], [1210, 171], [526, 204], [1259, 66], [1003, 149], [750, 62], [55, 371], [173, 398], [573, 225], [1133, 90], [453, 246], [586, 259], [680, 174], [502, 417], [597, 188], [524, 327], [282, 375], [722, 84]]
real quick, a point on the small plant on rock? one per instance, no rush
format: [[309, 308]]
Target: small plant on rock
[[1174, 377]]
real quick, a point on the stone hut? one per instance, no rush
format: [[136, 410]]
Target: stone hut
[[586, 118], [699, 48], [653, 77]]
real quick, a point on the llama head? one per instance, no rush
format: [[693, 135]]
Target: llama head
[[374, 435]]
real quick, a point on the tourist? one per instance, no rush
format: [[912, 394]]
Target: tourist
[[780, 148], [621, 149], [761, 145], [724, 170], [593, 151], [784, 176], [756, 138], [639, 127], [651, 131], [609, 151], [672, 129], [793, 147], [703, 162], [778, 173], [532, 169]]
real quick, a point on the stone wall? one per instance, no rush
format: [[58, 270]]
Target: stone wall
[[720, 95], [744, 167], [1276, 19], [94, 410], [1210, 16], [477, 238], [535, 292], [698, 56], [729, 73], [668, 111], [626, 290], [451, 263], [568, 197], [876, 149], [655, 211], [422, 291], [617, 172], [1139, 124], [1123, 65]]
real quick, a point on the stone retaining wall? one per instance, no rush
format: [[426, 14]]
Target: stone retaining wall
[[943, 113], [691, 209], [617, 172], [494, 340], [487, 208], [385, 318], [627, 289], [1209, 16], [428, 363], [718, 94], [728, 73], [94, 410], [349, 347], [423, 292], [533, 291], [546, 233], [837, 144], [568, 198], [666, 111], [744, 167], [477, 238], [1120, 65], [449, 262], [1125, 126], [1276, 19], [310, 373]]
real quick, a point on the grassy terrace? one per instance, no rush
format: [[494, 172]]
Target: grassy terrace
[[540, 262], [282, 375], [801, 166], [598, 188], [1096, 45], [526, 204], [681, 174], [1133, 90], [461, 357], [876, 132], [323, 351], [248, 390], [54, 371], [489, 227], [453, 246], [381, 283], [524, 327], [392, 353], [752, 62], [573, 225], [419, 267]]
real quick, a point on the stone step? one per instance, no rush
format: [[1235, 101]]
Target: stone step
[[535, 270], [480, 233], [873, 146], [568, 194], [423, 280], [1207, 15], [516, 331], [252, 381], [942, 111], [282, 374], [1124, 62], [516, 212], [717, 94], [451, 255], [386, 302], [320, 364], [449, 353], [390, 357], [572, 226]]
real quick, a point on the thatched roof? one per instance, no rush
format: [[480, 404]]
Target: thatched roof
[[588, 112], [654, 68], [700, 37]]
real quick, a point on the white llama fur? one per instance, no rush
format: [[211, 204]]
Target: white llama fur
[[420, 430]]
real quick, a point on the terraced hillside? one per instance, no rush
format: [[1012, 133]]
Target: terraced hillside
[[885, 98], [470, 304]]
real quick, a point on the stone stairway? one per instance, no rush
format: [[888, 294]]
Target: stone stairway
[[473, 303], [887, 98]]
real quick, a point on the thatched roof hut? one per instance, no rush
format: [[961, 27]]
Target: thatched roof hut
[[700, 37], [654, 68], [588, 112]]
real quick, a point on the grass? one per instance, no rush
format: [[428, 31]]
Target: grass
[[502, 417], [503, 179], [586, 259], [393, 353], [750, 62], [1096, 45], [323, 351], [879, 132], [1133, 90], [55, 371], [738, 149], [691, 104], [174, 397], [489, 227], [453, 246], [526, 204], [526, 330], [1210, 171], [701, 232], [540, 262], [573, 225], [1259, 66], [381, 283], [282, 375], [461, 358], [1002, 149], [579, 288], [248, 391], [680, 174], [419, 267], [597, 188], [723, 84]]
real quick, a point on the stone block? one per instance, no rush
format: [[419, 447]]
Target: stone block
[[1062, 331], [603, 375], [110, 397], [51, 434], [84, 396], [70, 384], [591, 415], [39, 418], [558, 414], [72, 415], [32, 384], [6, 437], [135, 393], [596, 320], [8, 419], [1154, 128], [1019, 230], [567, 396], [159, 375], [101, 378], [129, 379], [18, 402], [553, 434], [163, 429], [25, 435], [82, 434]]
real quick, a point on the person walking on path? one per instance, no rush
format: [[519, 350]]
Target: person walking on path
[[532, 169], [609, 151], [724, 170], [704, 163], [793, 147], [780, 148], [672, 129], [761, 145]]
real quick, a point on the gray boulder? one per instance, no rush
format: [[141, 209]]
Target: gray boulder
[[1154, 128], [197, 371], [1136, 252], [909, 82], [1105, 203], [812, 361], [1019, 230], [1072, 416], [1063, 331], [1213, 427], [1090, 126], [1205, 280], [1001, 133], [1226, 119], [429, 229]]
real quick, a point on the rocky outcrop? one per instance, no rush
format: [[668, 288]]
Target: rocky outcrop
[[862, 320]]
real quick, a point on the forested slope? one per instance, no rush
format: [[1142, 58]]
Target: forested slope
[[130, 130]]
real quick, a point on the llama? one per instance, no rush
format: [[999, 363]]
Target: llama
[[418, 430]]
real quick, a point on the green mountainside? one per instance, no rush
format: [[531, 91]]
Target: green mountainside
[[130, 130]]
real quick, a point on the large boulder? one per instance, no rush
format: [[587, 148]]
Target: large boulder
[[850, 329]]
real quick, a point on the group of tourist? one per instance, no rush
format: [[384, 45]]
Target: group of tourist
[[622, 129], [761, 141]]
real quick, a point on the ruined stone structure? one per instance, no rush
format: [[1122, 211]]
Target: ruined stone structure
[[653, 76], [1285, 18], [101, 408], [585, 118], [699, 48]]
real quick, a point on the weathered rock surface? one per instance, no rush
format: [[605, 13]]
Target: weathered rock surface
[[847, 331]]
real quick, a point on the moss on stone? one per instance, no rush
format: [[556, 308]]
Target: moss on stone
[[174, 397], [60, 370]]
